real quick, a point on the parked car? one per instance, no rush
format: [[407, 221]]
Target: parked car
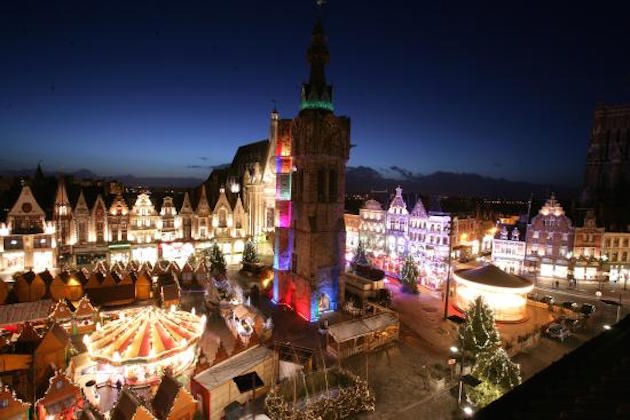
[[587, 309], [573, 324], [558, 331], [570, 305], [548, 299]]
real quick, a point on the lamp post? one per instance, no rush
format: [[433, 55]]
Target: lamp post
[[449, 228], [455, 350]]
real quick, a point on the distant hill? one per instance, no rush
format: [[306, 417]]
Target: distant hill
[[362, 179], [128, 180]]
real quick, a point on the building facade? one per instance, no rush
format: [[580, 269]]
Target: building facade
[[587, 244], [549, 241], [509, 248], [616, 256], [372, 227]]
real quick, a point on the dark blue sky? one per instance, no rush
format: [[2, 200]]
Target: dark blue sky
[[167, 89]]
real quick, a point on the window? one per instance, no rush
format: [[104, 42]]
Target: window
[[321, 187], [332, 186]]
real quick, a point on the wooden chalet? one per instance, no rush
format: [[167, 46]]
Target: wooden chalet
[[202, 274], [28, 339], [173, 267], [130, 407], [248, 374], [4, 292], [361, 335], [52, 350], [74, 285], [169, 290], [187, 275], [61, 400], [60, 313], [58, 286], [11, 407], [110, 290], [172, 401], [47, 278], [143, 285], [29, 287]]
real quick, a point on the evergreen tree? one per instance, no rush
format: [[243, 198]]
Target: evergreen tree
[[409, 274], [495, 366], [217, 261], [360, 258], [250, 256], [479, 332]]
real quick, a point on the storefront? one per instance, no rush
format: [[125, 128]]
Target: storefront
[[177, 251], [148, 253], [13, 261], [43, 260]]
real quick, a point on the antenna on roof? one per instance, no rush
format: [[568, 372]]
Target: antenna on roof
[[273, 101]]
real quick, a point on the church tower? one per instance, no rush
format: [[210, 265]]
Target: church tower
[[311, 171], [62, 214]]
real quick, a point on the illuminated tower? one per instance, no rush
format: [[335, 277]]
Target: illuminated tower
[[310, 237], [62, 214]]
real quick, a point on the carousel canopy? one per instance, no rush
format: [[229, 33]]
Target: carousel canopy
[[145, 334]]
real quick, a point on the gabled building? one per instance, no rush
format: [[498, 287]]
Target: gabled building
[[587, 246], [27, 240], [549, 241], [509, 248]]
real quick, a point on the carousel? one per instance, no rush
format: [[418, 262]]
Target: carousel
[[137, 347]]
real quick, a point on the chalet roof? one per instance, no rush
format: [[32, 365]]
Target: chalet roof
[[228, 369], [55, 394], [60, 311], [589, 382], [90, 413], [126, 406], [59, 333], [18, 313], [15, 404], [29, 276], [348, 330], [28, 334], [165, 396], [110, 294], [84, 307], [418, 209]]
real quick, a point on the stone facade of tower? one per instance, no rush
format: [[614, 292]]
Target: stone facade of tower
[[607, 175], [312, 282]]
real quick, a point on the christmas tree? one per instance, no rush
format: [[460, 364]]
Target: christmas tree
[[359, 256], [217, 261], [409, 274], [479, 332], [250, 256], [495, 366]]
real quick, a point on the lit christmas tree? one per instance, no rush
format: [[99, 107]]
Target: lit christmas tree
[[479, 332], [250, 256], [360, 258], [217, 261], [409, 274]]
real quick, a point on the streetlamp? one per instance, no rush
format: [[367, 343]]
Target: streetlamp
[[468, 411], [455, 350]]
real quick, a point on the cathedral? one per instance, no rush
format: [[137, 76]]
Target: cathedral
[[607, 175], [312, 150]]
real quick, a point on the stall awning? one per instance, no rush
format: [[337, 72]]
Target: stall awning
[[248, 382]]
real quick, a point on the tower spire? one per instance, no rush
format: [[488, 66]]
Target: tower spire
[[317, 94]]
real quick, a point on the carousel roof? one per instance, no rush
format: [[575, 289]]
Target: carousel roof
[[144, 334], [491, 275]]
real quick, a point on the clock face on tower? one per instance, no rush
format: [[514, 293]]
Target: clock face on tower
[[27, 207]]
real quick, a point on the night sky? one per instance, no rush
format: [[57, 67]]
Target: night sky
[[167, 89]]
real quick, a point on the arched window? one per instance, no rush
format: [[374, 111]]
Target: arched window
[[222, 218]]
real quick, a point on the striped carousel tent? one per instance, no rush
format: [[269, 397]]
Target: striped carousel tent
[[145, 335]]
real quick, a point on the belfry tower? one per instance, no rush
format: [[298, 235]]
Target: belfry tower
[[313, 149]]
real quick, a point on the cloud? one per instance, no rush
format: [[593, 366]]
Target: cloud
[[405, 173], [204, 158], [207, 167]]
